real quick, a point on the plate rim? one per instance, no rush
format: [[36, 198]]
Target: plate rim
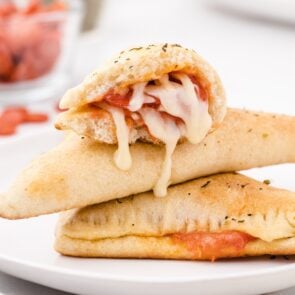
[[122, 278]]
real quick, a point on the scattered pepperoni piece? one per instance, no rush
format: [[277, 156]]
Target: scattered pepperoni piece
[[15, 115], [36, 118], [12, 117], [6, 128]]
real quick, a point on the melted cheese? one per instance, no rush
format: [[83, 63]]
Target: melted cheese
[[167, 131], [182, 101], [178, 100], [138, 97], [122, 156]]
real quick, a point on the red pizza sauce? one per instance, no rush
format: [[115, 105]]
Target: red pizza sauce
[[214, 245]]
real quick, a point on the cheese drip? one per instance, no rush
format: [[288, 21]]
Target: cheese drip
[[167, 131], [122, 155], [139, 97], [179, 100]]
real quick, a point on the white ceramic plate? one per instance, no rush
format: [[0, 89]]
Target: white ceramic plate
[[26, 250]]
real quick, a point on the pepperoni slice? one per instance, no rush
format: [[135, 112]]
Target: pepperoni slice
[[118, 100], [203, 93]]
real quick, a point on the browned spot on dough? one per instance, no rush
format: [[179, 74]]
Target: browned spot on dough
[[51, 186]]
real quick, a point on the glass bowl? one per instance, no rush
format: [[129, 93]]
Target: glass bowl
[[37, 53]]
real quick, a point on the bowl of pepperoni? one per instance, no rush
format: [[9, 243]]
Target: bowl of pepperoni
[[36, 48]]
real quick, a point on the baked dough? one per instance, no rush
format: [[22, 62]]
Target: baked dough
[[161, 248], [99, 125], [144, 64], [81, 172], [142, 226]]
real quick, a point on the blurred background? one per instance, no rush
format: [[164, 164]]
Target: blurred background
[[48, 46]]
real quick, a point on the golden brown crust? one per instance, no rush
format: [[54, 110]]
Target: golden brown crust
[[161, 248], [218, 203], [81, 172], [142, 226], [144, 64]]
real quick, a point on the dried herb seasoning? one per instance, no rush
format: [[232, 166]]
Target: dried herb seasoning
[[135, 48], [164, 47], [206, 184]]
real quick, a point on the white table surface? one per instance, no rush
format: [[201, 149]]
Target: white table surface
[[254, 56]]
